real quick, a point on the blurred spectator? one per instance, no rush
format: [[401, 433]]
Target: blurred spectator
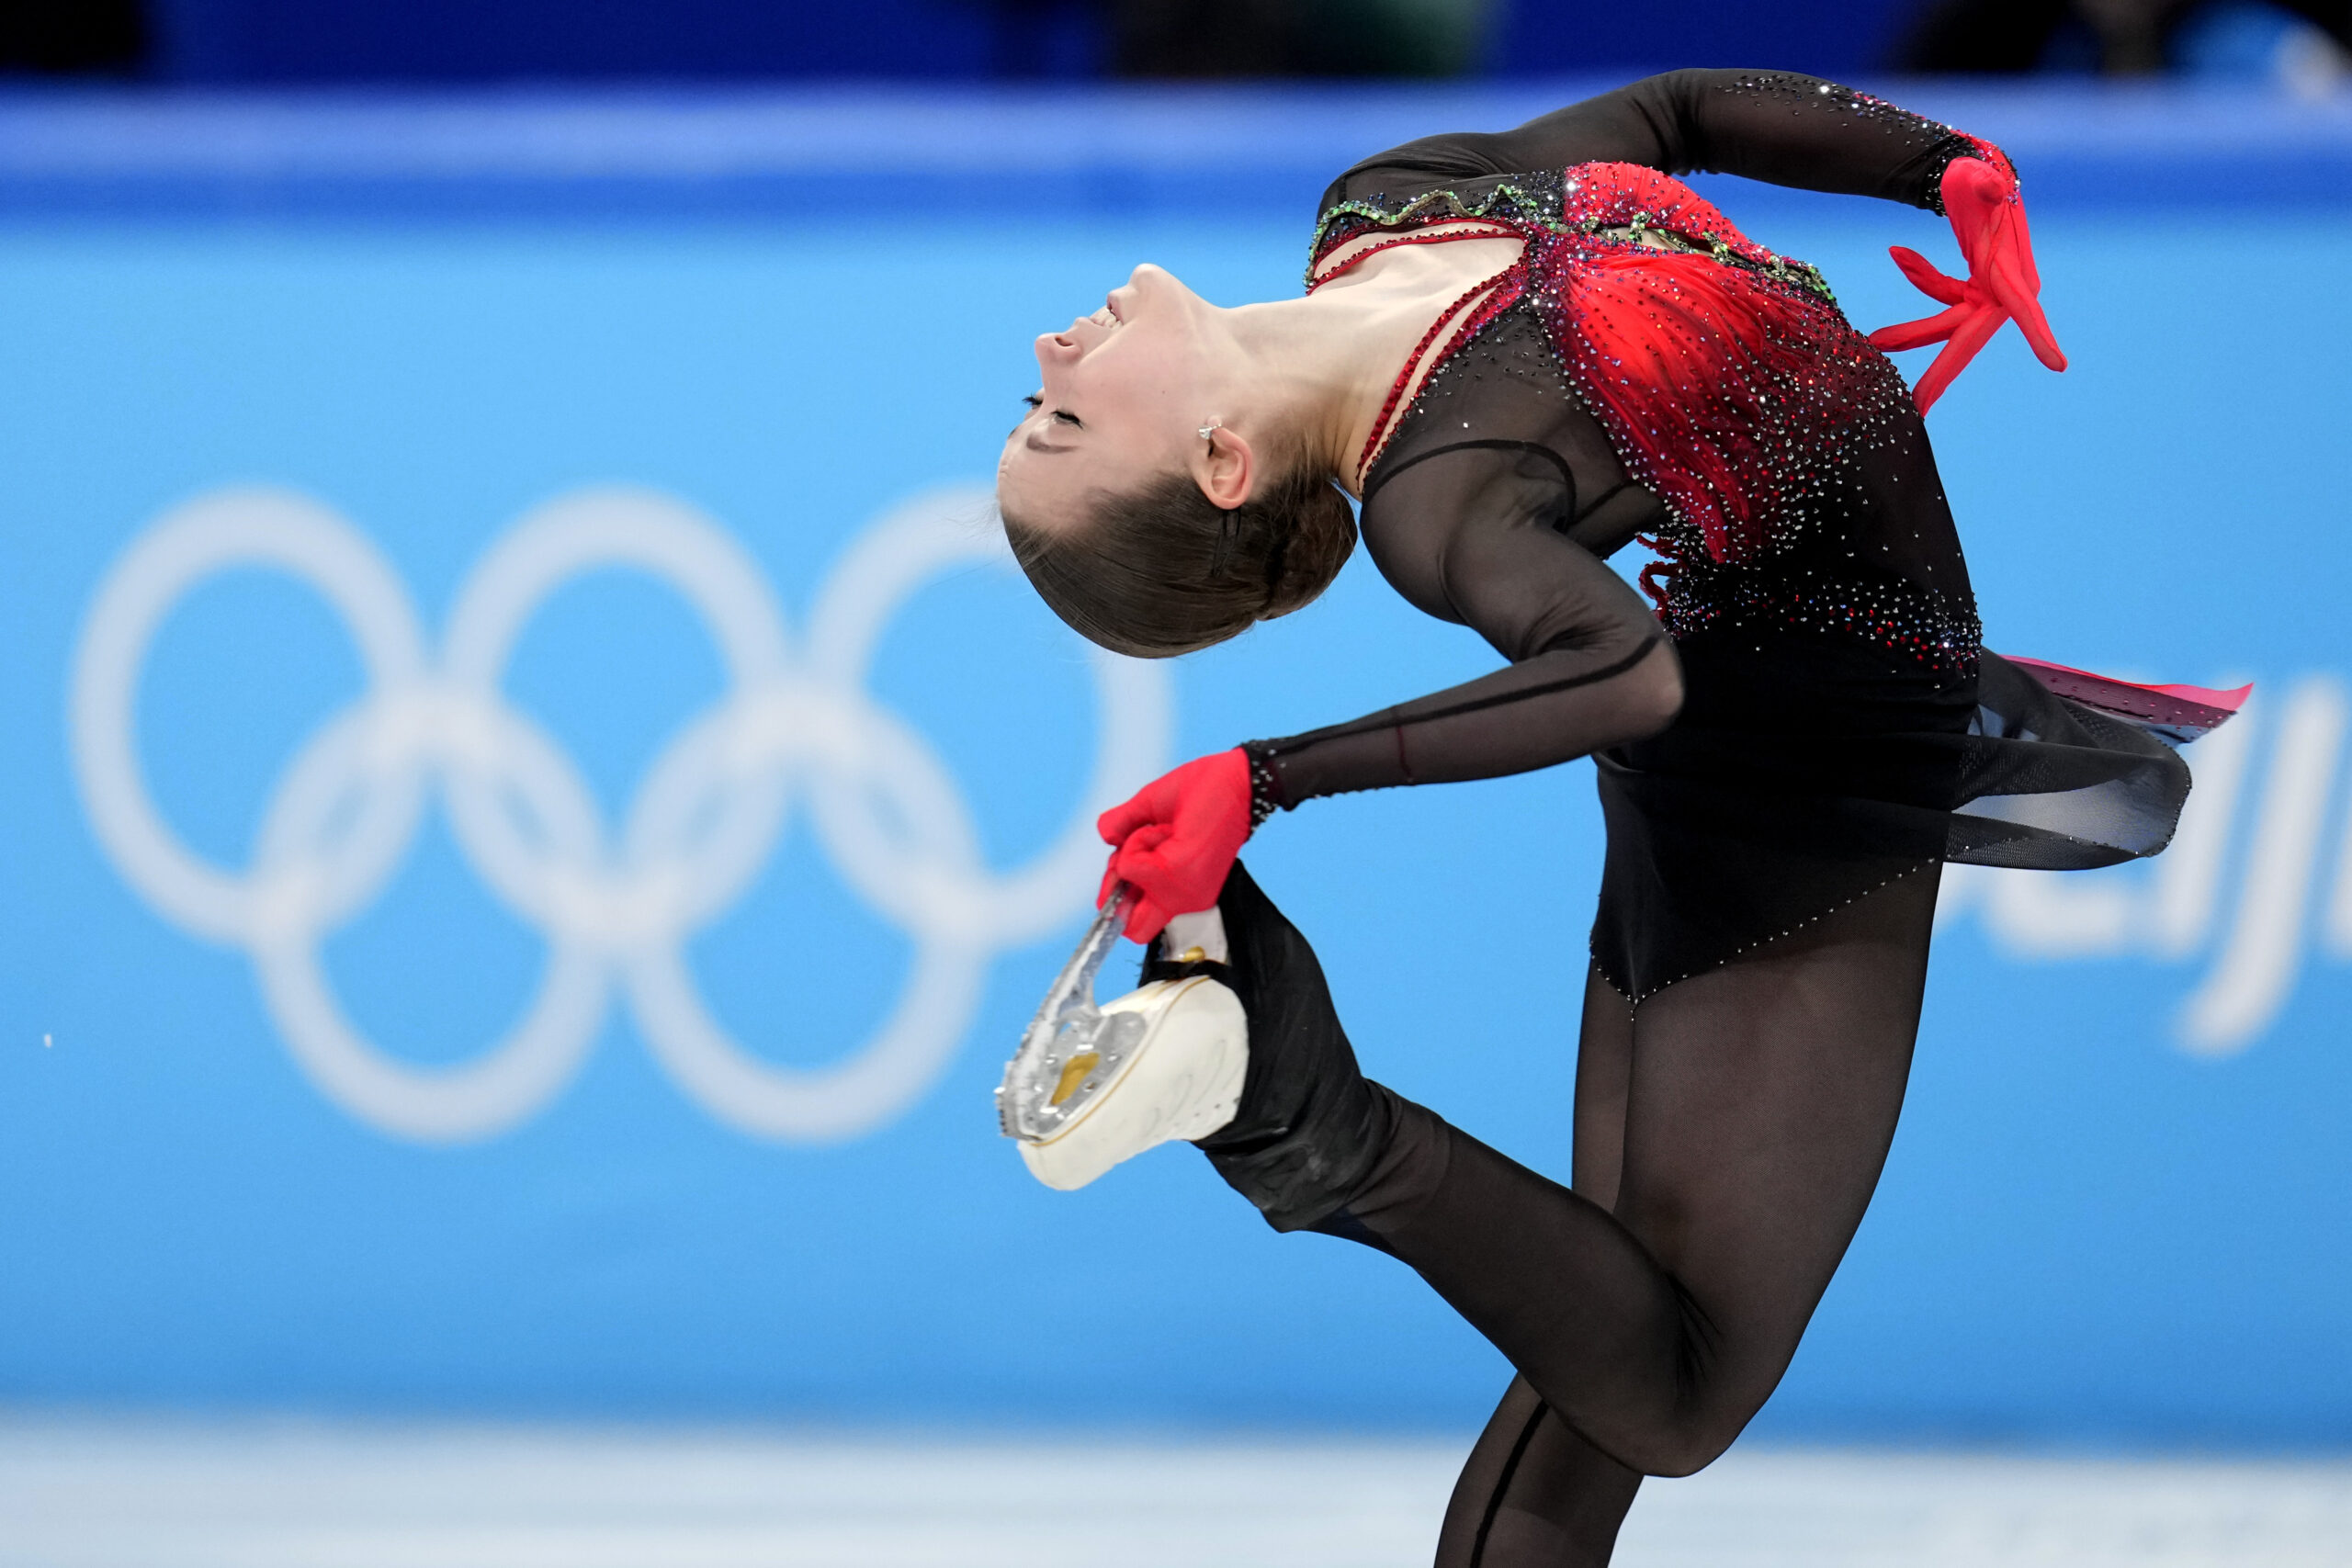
[[1294, 38], [2118, 38], [72, 35]]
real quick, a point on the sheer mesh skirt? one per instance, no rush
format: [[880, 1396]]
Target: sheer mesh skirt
[[1806, 770]]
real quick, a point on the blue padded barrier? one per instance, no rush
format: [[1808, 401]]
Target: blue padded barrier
[[656, 153]]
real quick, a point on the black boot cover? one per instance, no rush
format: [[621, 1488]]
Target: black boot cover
[[1310, 1125]]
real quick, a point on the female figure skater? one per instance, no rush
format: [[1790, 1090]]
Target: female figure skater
[[1522, 351]]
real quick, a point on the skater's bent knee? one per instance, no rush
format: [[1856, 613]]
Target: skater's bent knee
[[1672, 1447], [1687, 1457]]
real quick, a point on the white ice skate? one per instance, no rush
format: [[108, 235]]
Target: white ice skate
[[1090, 1087]]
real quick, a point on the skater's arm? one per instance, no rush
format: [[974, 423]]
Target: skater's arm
[[1765, 125]]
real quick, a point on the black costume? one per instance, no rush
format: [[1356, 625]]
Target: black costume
[[1761, 943]]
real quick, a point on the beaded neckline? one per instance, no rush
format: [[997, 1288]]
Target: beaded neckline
[[1510, 281], [1435, 232], [1584, 200], [1524, 199]]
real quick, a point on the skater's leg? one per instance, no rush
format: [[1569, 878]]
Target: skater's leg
[[1533, 1493], [1760, 1103]]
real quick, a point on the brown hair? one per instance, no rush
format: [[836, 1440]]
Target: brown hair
[[1165, 570]]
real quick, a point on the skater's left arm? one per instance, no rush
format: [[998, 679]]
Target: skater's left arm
[[1773, 126]]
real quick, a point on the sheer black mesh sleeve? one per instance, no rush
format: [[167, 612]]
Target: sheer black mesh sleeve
[[1477, 533], [1772, 126]]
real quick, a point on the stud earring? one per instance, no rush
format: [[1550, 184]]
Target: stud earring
[[1213, 424]]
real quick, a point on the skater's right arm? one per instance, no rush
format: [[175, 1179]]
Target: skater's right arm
[[1476, 532], [1589, 668]]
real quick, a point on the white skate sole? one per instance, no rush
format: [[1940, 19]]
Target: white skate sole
[[1092, 1086]]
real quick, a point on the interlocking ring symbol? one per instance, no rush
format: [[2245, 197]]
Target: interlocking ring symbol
[[615, 911]]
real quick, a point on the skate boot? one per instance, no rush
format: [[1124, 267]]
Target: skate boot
[[1093, 1086], [1310, 1125]]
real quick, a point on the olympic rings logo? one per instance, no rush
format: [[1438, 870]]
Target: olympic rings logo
[[615, 910]]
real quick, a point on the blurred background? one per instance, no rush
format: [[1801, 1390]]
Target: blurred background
[[532, 809], [311, 41]]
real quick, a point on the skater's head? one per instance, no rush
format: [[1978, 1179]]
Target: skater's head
[[1161, 492]]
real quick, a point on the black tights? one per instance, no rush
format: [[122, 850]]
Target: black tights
[[1728, 1133]]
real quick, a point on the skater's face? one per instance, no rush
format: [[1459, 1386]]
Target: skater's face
[[1131, 502], [1123, 395]]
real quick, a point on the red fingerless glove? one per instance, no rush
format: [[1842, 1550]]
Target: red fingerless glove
[[2003, 285], [1176, 838]]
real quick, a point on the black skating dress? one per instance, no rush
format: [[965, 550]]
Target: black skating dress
[[1644, 371]]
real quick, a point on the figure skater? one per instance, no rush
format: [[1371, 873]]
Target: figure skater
[[1520, 352]]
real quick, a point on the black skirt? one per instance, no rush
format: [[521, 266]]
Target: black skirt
[[1806, 770]]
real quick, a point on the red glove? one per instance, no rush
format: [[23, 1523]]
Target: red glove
[[2003, 285], [1176, 838]]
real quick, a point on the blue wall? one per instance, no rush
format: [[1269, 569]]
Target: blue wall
[[236, 1167]]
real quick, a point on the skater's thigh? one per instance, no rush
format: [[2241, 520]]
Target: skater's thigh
[[1762, 1099], [1604, 1070]]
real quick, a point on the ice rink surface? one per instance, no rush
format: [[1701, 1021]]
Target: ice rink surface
[[78, 1493]]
